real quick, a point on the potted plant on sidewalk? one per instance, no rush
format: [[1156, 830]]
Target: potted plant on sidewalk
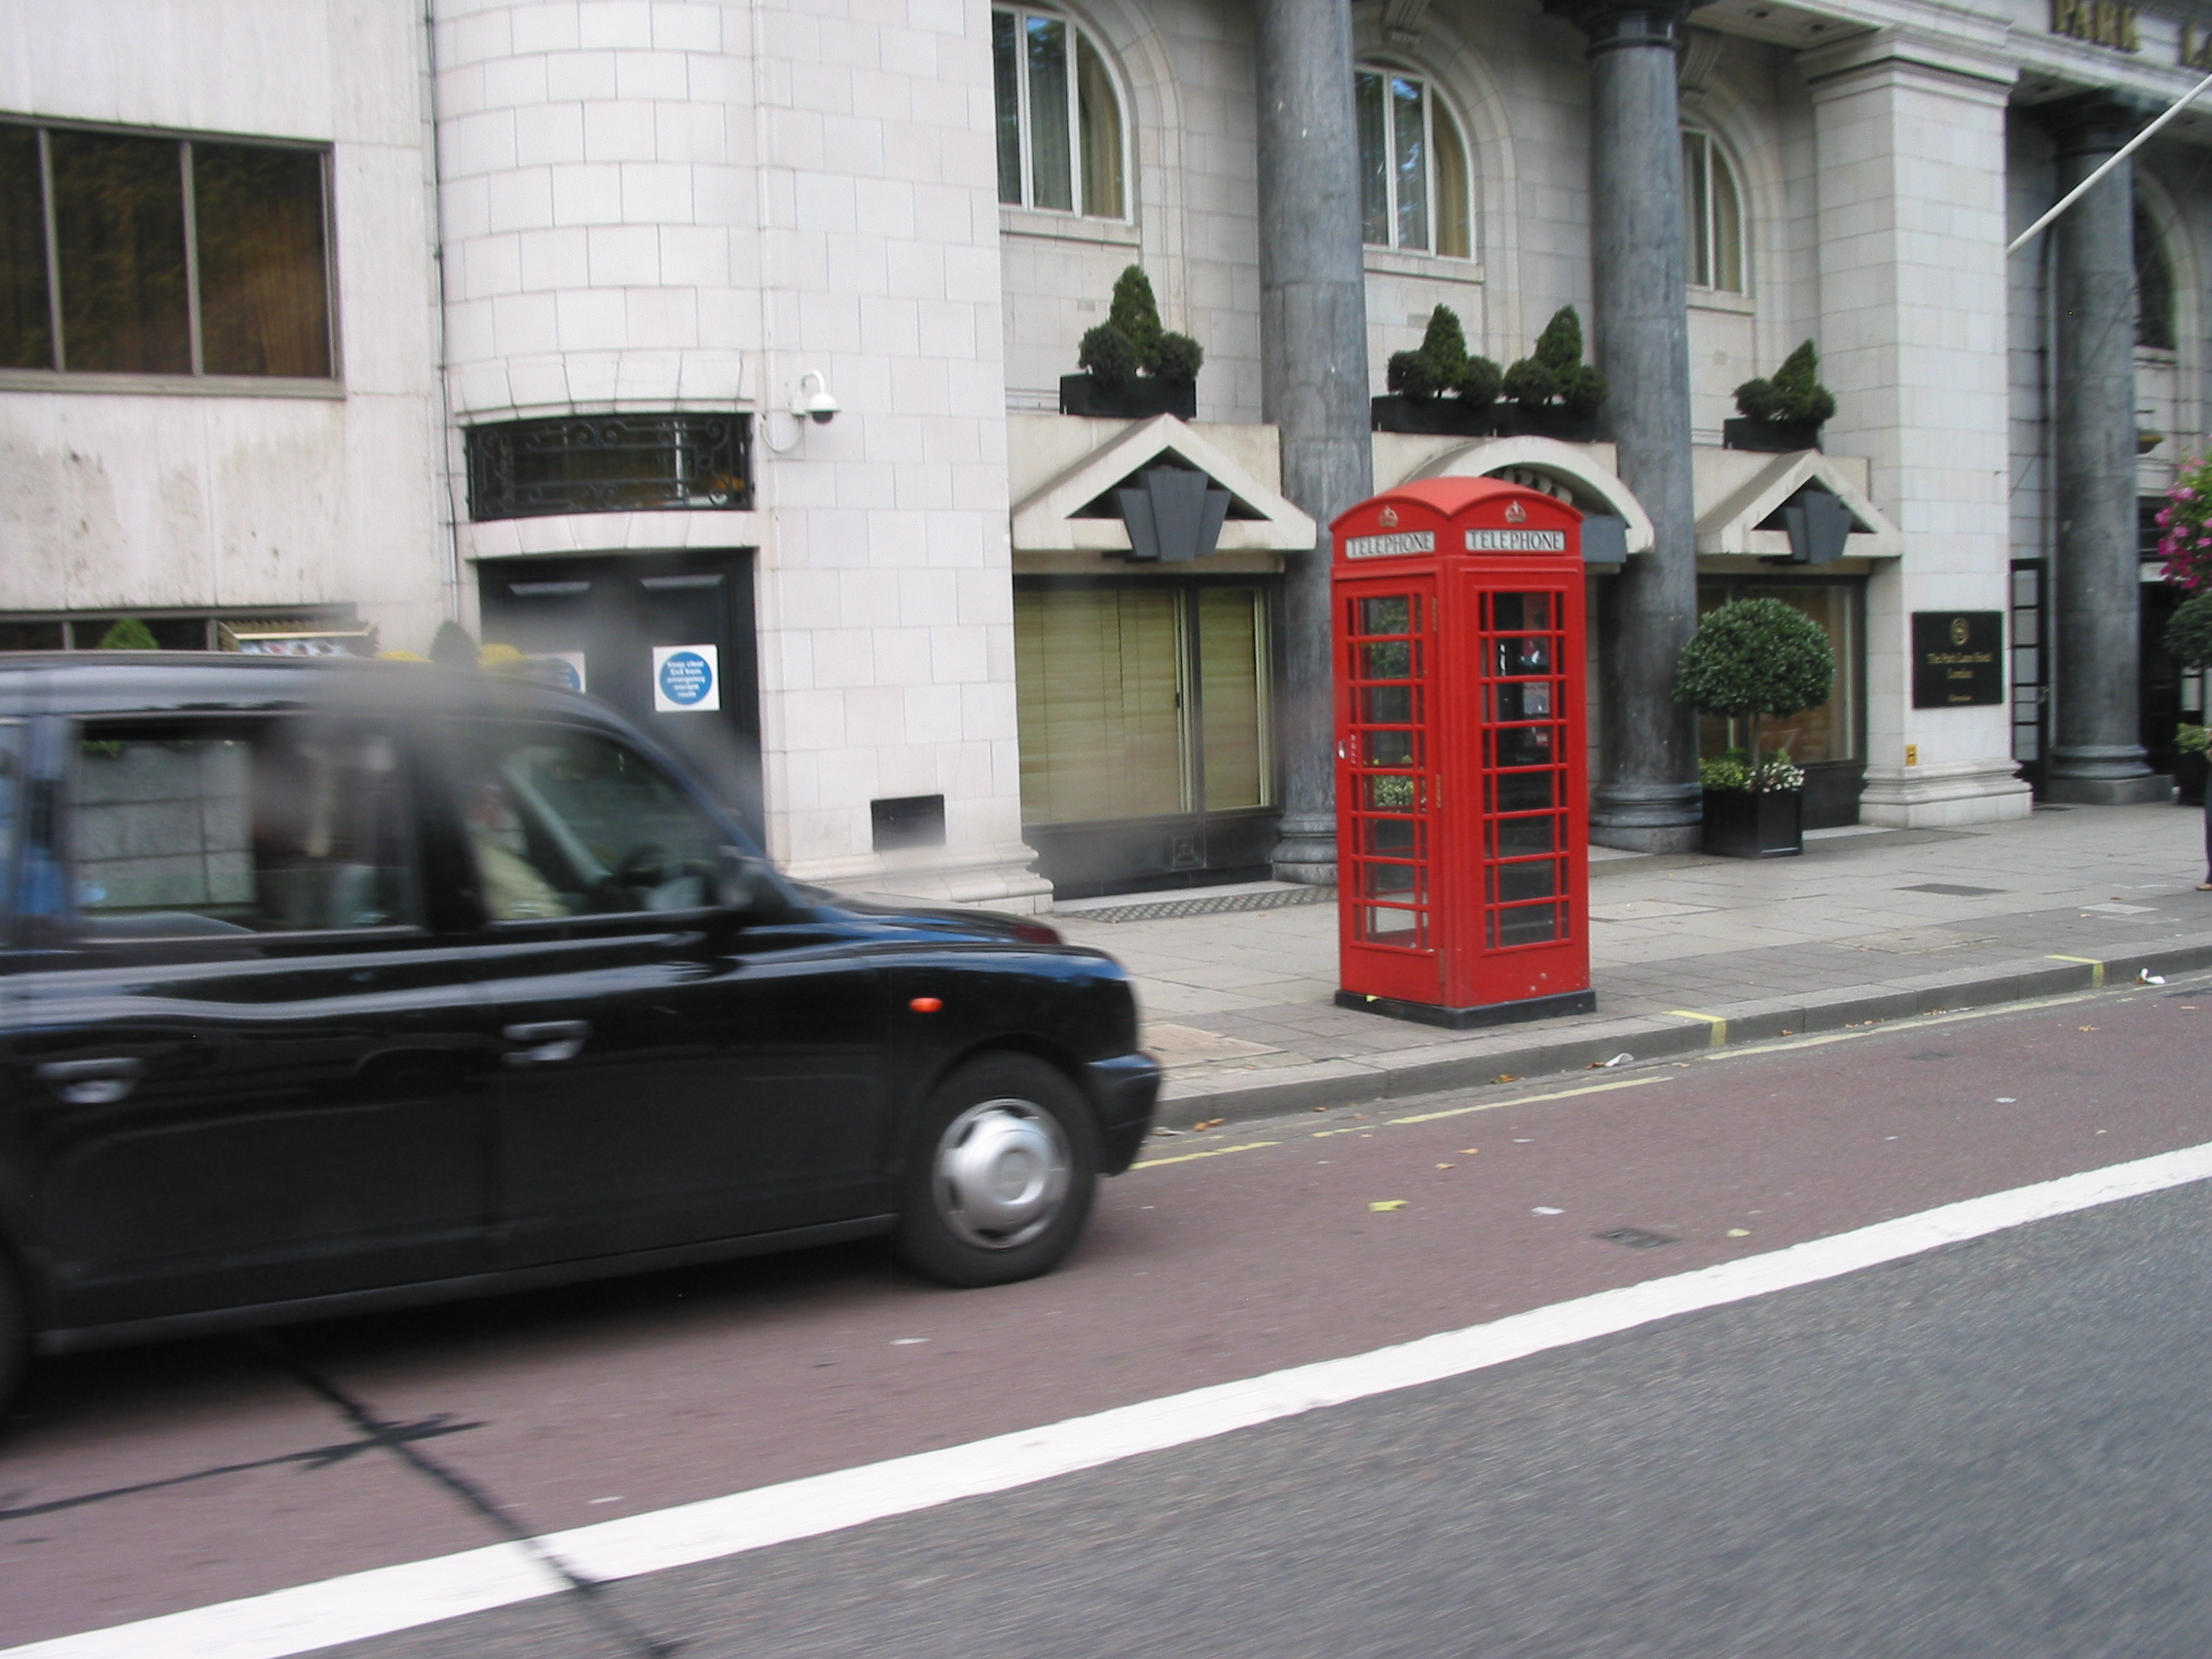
[[1749, 659], [2189, 637], [1132, 368], [1439, 388], [1554, 392], [1785, 414]]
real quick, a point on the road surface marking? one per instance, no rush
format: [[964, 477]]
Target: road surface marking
[[363, 1606], [1720, 1036], [2096, 968], [1210, 1152], [1530, 1099]]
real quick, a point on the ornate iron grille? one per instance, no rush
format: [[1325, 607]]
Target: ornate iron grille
[[610, 464]]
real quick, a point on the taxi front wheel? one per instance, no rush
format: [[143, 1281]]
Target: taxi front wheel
[[999, 1174]]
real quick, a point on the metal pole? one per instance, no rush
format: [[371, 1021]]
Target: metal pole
[[2086, 185]]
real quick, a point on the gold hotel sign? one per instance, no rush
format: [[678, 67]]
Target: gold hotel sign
[[2113, 24]]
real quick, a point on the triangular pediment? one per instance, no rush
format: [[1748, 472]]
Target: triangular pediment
[[1739, 522], [1064, 516]]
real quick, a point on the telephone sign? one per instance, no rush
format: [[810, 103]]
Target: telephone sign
[[1462, 853]]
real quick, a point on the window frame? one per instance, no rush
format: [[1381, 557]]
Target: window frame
[[451, 811], [1025, 134], [1432, 99], [69, 919], [195, 380], [1713, 154]]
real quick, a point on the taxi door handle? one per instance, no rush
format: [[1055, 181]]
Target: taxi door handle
[[92, 1083], [548, 1042]]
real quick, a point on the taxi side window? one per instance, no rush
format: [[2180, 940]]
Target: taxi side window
[[178, 831], [569, 823]]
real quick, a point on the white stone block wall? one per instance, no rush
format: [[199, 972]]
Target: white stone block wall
[[1911, 143], [686, 205], [174, 498]]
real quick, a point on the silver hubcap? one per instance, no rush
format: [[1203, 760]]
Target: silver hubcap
[[1002, 1174]]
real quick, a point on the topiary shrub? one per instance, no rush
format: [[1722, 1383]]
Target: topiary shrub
[[1752, 658], [129, 634], [1795, 397], [2189, 632], [453, 646], [1555, 371], [1442, 365], [1132, 342]]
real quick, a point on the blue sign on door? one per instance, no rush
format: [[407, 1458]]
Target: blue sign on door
[[686, 679]]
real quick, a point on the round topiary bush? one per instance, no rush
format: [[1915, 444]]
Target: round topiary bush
[[2189, 632], [1755, 657]]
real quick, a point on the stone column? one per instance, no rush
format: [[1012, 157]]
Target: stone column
[[2095, 754], [1910, 169], [1647, 795], [1313, 383]]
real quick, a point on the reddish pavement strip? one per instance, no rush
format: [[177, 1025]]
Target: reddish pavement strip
[[654, 1392]]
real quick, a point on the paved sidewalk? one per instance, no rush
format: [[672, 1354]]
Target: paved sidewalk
[[1687, 952]]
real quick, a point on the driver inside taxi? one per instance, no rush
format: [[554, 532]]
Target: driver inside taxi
[[513, 890]]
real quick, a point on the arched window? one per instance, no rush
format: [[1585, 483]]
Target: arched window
[[2154, 286], [1060, 119], [1713, 216], [1412, 167]]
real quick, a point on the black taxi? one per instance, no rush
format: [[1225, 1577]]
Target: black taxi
[[331, 986]]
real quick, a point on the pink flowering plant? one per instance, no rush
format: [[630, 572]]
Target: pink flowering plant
[[2184, 528]]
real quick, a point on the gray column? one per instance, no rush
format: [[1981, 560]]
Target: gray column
[[1647, 796], [1313, 381], [2096, 755]]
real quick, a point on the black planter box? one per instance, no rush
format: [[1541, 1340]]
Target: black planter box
[[1746, 824], [1132, 400], [1440, 417], [1546, 422], [2189, 779], [1768, 437]]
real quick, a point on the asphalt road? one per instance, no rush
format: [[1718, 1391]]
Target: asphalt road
[[1989, 1450]]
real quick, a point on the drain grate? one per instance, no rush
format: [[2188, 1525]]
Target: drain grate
[[1636, 1238], [1954, 890], [1214, 905]]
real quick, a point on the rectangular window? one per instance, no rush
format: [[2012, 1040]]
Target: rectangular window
[[162, 256], [1694, 214], [1006, 87], [1830, 732], [27, 317], [1455, 201], [1409, 158], [1373, 159], [1049, 183], [197, 830], [1099, 113]]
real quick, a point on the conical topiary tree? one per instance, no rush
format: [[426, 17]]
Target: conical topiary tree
[[1442, 365], [453, 646], [1555, 371], [129, 634], [1131, 341], [1755, 657], [1795, 397]]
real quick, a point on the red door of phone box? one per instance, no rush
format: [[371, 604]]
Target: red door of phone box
[[1463, 828]]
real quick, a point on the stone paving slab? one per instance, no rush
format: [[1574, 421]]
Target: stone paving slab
[[1688, 952]]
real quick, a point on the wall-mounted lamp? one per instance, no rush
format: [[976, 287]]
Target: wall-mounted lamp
[[821, 406]]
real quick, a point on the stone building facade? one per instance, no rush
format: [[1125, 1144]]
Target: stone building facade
[[588, 268]]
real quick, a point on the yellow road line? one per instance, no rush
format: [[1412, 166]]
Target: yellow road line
[[1529, 1099], [2097, 968], [1719, 1036], [1210, 1152]]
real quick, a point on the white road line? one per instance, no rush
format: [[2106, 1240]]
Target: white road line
[[364, 1605]]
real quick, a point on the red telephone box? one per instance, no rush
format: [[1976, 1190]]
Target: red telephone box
[[1463, 844]]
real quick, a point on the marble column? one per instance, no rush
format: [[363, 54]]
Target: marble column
[[2096, 753], [1313, 383], [1647, 796]]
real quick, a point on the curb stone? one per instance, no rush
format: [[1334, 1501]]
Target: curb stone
[[1590, 1040]]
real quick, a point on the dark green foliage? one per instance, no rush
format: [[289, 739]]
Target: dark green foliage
[[1795, 397], [1755, 657], [1444, 346], [1130, 341], [1107, 357], [1134, 313], [1176, 359], [129, 634], [2189, 632], [1479, 382], [1556, 370], [1409, 373], [453, 646]]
